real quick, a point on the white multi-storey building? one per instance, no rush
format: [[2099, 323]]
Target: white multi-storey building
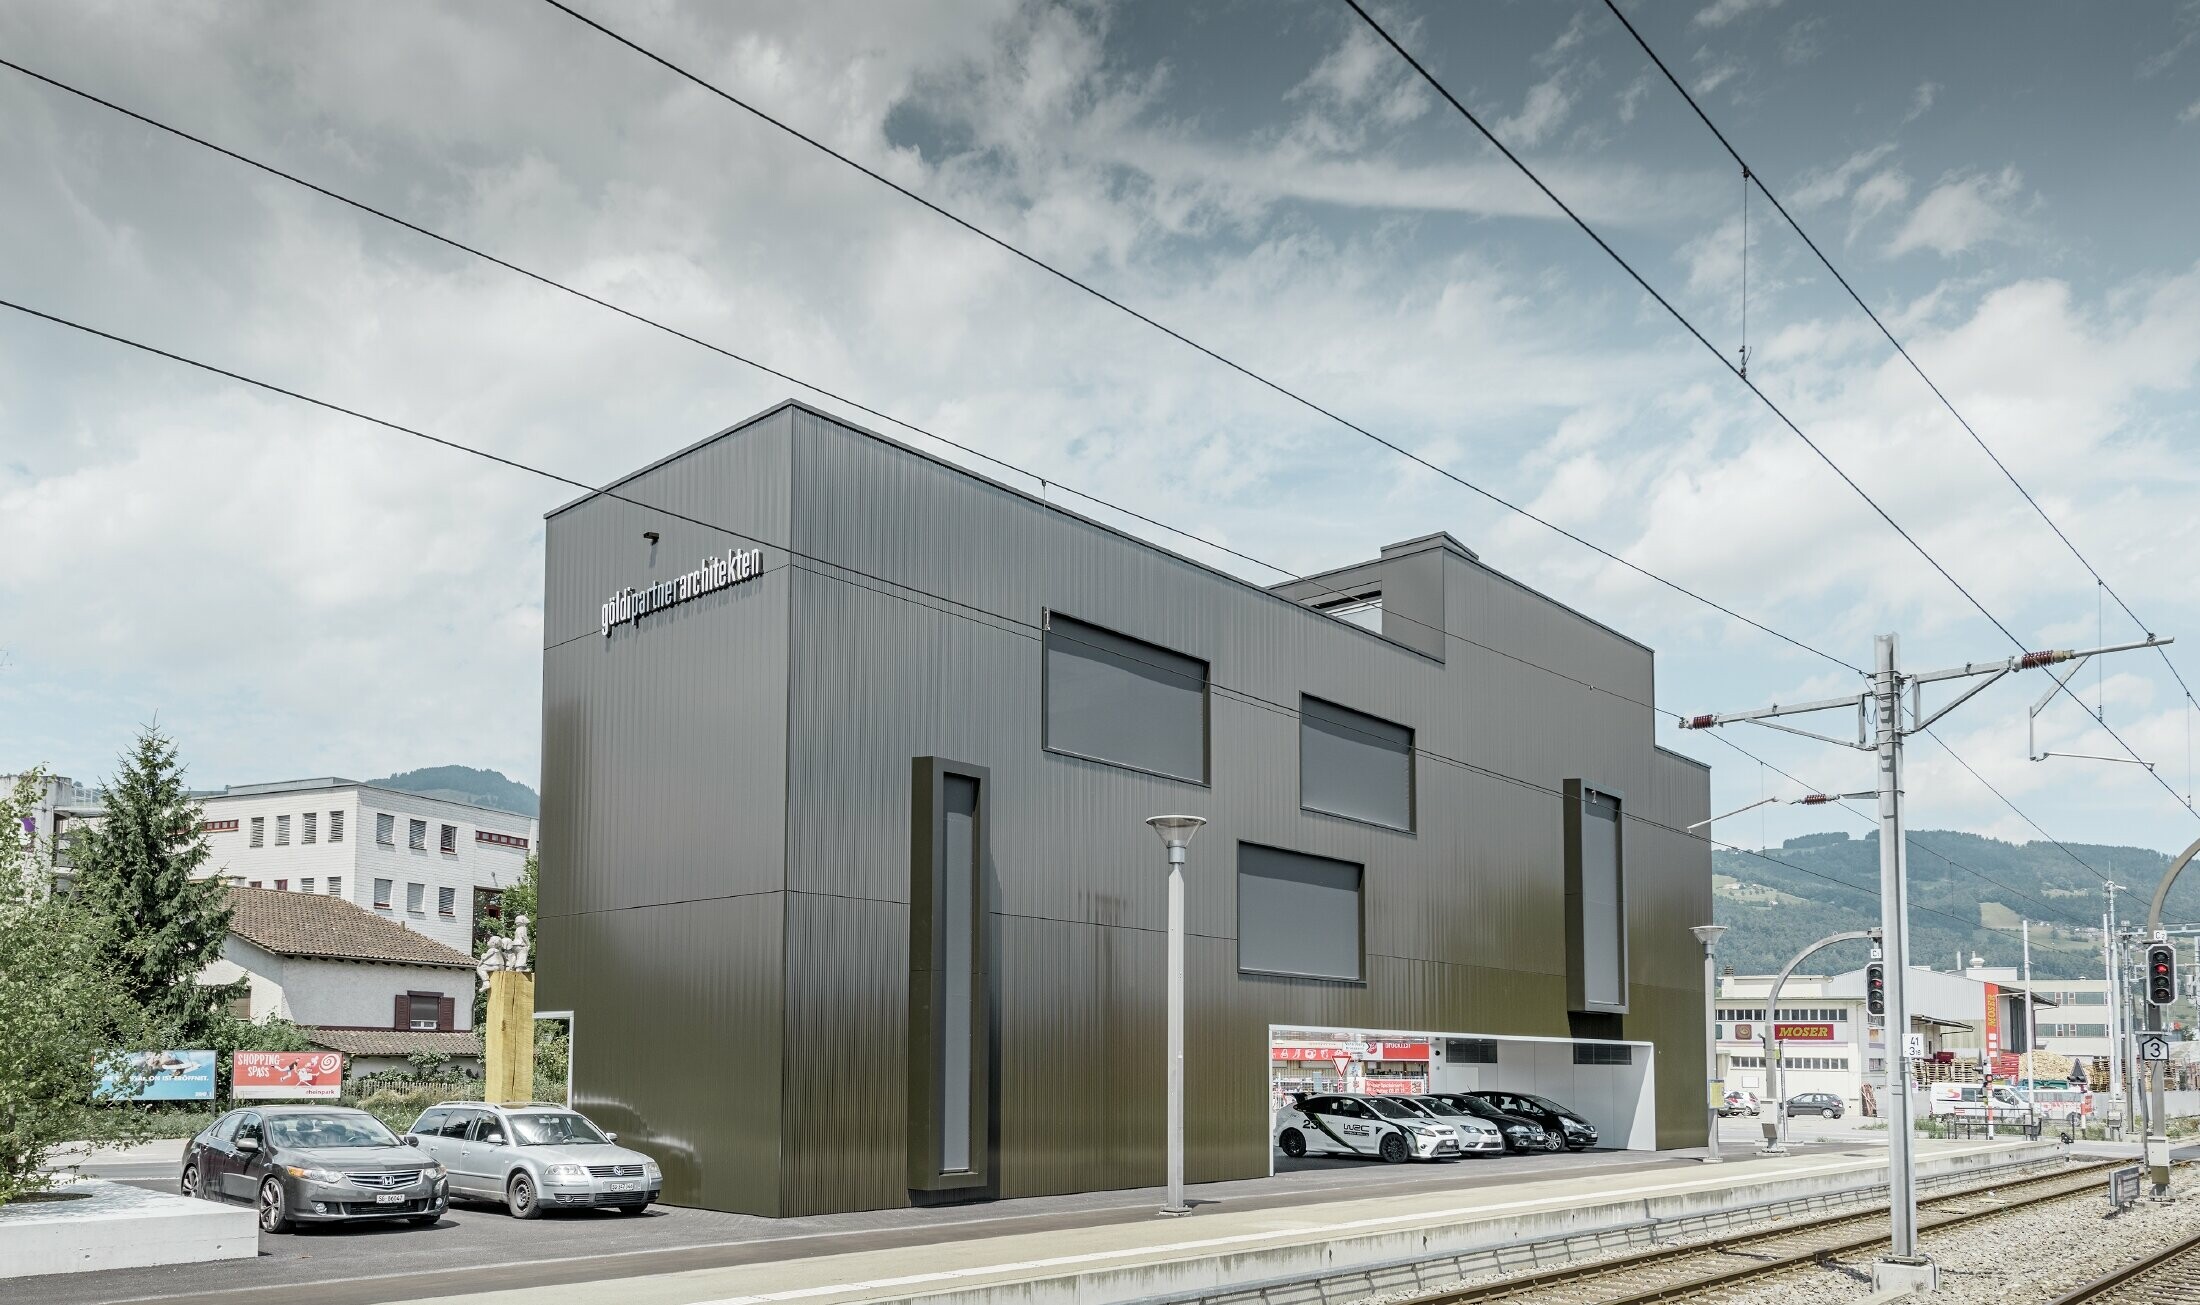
[[427, 863]]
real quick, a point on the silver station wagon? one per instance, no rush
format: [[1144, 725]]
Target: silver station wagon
[[535, 1156]]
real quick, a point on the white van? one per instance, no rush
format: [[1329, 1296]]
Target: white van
[[1970, 1101]]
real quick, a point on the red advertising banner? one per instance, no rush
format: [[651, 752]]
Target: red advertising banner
[[1398, 1051], [286, 1075], [2007, 1065], [1312, 1053], [1392, 1087], [1993, 1018], [1784, 1032]]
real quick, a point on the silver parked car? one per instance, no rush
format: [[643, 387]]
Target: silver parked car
[[312, 1164], [535, 1156]]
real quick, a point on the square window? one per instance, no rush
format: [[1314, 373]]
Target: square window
[[382, 893], [1354, 765], [417, 836], [423, 1007], [283, 885], [446, 902], [305, 885], [1117, 699], [1298, 914]]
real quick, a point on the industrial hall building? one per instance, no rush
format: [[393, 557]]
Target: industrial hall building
[[845, 880]]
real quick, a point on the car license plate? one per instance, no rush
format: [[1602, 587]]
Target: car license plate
[[623, 1187], [390, 1198]]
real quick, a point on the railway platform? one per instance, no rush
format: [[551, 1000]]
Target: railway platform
[[1253, 1241]]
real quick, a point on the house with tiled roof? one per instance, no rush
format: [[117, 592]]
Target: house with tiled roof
[[356, 982]]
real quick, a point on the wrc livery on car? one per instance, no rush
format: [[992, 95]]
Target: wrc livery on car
[[1337, 1124]]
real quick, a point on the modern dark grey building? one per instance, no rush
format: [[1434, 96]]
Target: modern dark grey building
[[846, 757]]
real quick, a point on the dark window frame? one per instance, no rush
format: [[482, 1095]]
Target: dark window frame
[[1577, 794], [1413, 769], [1360, 924], [1205, 779], [928, 848]]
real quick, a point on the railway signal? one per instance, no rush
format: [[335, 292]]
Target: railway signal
[[2161, 974], [1875, 989]]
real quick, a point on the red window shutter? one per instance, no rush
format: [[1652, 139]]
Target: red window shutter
[[446, 1012], [403, 1018]]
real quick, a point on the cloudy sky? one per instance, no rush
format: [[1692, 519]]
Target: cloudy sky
[[291, 592]]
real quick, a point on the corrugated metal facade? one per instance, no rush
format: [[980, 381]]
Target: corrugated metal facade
[[727, 814]]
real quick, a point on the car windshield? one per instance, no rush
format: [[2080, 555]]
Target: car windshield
[[1478, 1107], [1435, 1107], [559, 1129], [1545, 1103], [316, 1132], [1392, 1109]]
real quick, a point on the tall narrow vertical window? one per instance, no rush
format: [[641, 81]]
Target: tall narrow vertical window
[[335, 826], [382, 893], [336, 885], [949, 1093], [449, 841], [282, 831], [259, 831], [1124, 701], [415, 898], [446, 902], [305, 885], [416, 835], [1596, 901], [385, 829], [310, 826]]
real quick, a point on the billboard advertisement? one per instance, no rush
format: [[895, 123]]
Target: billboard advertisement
[[286, 1075], [159, 1076], [1786, 1032]]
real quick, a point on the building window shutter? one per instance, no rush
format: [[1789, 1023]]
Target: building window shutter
[[402, 1019], [446, 1011]]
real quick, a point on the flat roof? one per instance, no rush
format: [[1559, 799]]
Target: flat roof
[[332, 783]]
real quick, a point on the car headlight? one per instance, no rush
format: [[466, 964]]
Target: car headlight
[[434, 1172], [652, 1172], [569, 1173], [1520, 1130], [1420, 1130], [313, 1175]]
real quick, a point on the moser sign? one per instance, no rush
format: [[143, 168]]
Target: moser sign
[[716, 573], [1786, 1032]]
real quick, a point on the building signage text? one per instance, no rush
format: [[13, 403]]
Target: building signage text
[[1785, 1032], [716, 573]]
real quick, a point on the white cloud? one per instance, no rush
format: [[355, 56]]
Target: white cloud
[[1825, 185], [1921, 101], [1721, 12], [1962, 211], [1544, 112], [2190, 113]]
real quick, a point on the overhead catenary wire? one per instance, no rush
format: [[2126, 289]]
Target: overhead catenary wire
[[1751, 177], [1242, 369], [768, 369], [837, 571]]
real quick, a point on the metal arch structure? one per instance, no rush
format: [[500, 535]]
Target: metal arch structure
[[2158, 1075], [1776, 1143]]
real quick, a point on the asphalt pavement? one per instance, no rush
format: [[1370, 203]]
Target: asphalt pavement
[[481, 1248]]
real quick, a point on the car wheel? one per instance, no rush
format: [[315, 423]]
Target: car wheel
[[1553, 1143], [519, 1197], [1394, 1149], [1293, 1143], [189, 1185], [274, 1211]]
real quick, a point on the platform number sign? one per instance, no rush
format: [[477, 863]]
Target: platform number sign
[[1875, 989], [2161, 974], [2153, 1047]]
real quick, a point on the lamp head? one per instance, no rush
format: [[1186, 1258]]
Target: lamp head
[[1708, 934], [1176, 831]]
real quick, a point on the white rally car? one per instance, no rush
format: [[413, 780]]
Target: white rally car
[[1332, 1124]]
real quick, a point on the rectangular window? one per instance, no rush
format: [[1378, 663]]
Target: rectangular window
[[1354, 765], [1119, 700], [282, 831], [416, 836], [421, 1008], [446, 902], [949, 1105], [282, 885], [1596, 901], [1602, 1053], [305, 885], [450, 839], [259, 831], [311, 827], [336, 885], [217, 826], [382, 893], [254, 883], [385, 829], [1297, 914], [1470, 1051], [500, 840], [335, 826], [416, 896]]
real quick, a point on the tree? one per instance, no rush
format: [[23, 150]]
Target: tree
[[62, 1011], [136, 868]]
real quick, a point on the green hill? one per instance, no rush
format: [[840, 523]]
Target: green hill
[[487, 788], [1780, 902]]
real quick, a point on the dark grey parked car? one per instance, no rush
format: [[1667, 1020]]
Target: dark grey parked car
[[1825, 1104], [313, 1164]]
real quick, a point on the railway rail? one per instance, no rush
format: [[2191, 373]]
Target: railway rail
[[1678, 1271], [2168, 1277]]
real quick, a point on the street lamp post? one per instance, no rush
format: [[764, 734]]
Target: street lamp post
[[1708, 935], [1176, 835]]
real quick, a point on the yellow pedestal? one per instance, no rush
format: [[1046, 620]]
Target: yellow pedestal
[[508, 1041]]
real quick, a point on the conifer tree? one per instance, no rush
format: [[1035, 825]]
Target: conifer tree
[[136, 868]]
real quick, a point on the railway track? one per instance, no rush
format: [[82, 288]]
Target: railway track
[[1679, 1271], [2169, 1277]]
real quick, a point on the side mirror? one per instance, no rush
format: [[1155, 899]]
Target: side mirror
[[613, 1136], [248, 1144], [412, 1139]]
